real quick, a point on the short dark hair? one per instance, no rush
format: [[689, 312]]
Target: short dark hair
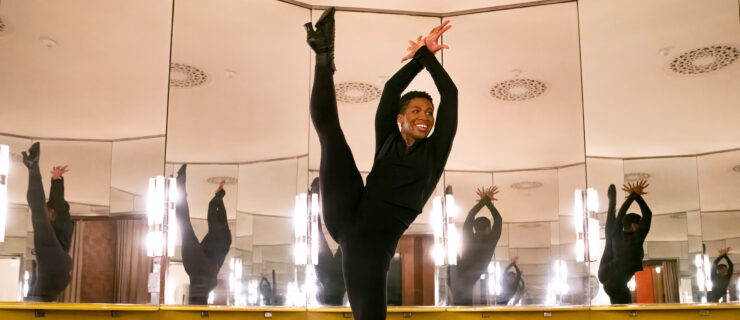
[[406, 98], [630, 218]]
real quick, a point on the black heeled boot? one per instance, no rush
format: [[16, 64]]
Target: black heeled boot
[[321, 40]]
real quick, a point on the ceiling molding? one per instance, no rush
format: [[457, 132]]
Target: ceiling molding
[[429, 14]]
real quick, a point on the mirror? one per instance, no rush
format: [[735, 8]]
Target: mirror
[[238, 113], [657, 109], [93, 96]]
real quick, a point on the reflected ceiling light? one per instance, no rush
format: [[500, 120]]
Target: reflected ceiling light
[[736, 168], [356, 92], [186, 76], [636, 176], [48, 42], [218, 179], [518, 89], [525, 185], [705, 59]]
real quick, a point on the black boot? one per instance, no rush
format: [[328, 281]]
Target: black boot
[[321, 40]]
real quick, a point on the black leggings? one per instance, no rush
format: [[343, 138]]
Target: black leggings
[[54, 264], [366, 230], [202, 260], [613, 278]]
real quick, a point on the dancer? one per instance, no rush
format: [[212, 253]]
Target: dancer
[[625, 235], [52, 230], [367, 221], [512, 283], [202, 260], [479, 243], [721, 275]]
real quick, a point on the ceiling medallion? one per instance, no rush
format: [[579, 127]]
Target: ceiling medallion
[[185, 76], [356, 92], [526, 185], [636, 176], [518, 89], [705, 59]]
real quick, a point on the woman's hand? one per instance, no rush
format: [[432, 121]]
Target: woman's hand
[[413, 47], [432, 39]]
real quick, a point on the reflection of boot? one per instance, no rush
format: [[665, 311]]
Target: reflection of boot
[[31, 158], [321, 40]]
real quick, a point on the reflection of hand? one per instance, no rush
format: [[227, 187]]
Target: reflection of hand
[[637, 187], [413, 47], [489, 192], [58, 171], [514, 260], [432, 39], [221, 186], [724, 251]]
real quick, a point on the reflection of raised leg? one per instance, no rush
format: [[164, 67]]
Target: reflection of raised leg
[[196, 262], [218, 239], [54, 264], [341, 182]]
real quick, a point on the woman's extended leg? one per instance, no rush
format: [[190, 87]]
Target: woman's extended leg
[[341, 183]]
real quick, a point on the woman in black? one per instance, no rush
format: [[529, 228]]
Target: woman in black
[[479, 243], [512, 283], [367, 221], [721, 275], [625, 235], [202, 260], [52, 230]]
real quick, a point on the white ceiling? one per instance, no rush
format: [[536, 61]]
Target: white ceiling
[[634, 105], [106, 79]]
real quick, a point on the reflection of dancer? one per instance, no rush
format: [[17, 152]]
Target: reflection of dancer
[[52, 230], [625, 235], [721, 275], [202, 260], [512, 284], [367, 221], [479, 243]]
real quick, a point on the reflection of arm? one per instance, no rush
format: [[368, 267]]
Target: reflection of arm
[[647, 216], [622, 212], [446, 122], [518, 273], [389, 106], [611, 211], [730, 266], [468, 224], [56, 197], [497, 222], [217, 209]]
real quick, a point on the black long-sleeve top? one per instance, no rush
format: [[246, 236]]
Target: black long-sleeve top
[[407, 175], [62, 224], [478, 248], [719, 282], [627, 246]]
